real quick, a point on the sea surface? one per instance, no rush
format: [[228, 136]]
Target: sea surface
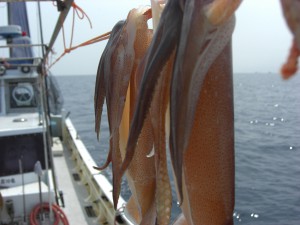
[[267, 143]]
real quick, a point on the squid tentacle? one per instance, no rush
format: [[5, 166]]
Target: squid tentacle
[[164, 42]]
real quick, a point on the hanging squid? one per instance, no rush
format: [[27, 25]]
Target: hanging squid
[[201, 104], [117, 83], [180, 85]]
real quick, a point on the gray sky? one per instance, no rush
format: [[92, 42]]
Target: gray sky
[[261, 40]]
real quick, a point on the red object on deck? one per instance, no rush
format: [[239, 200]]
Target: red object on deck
[[59, 215]]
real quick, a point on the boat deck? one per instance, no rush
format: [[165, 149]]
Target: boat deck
[[20, 123], [74, 193]]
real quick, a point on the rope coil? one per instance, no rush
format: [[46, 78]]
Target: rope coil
[[58, 214]]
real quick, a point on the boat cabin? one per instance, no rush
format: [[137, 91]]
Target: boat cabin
[[21, 126]]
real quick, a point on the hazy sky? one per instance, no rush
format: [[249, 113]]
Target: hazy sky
[[261, 40]]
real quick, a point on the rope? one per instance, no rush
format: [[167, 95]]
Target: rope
[[102, 37], [81, 15], [79, 10], [58, 214]]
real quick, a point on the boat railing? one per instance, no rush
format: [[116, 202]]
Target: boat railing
[[98, 186], [22, 61], [6, 61], [64, 8], [22, 45], [20, 58]]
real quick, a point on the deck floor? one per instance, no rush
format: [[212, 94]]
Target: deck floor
[[74, 193]]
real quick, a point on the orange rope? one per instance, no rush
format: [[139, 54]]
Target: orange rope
[[81, 14], [77, 9], [89, 42]]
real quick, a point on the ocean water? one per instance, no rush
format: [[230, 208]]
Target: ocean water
[[267, 143]]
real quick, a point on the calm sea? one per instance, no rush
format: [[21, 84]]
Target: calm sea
[[267, 143]]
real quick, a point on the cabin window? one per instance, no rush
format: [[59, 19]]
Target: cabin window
[[28, 147]]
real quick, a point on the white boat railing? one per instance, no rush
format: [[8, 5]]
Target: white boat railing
[[98, 186]]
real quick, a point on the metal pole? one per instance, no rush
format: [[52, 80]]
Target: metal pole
[[23, 187], [46, 116], [58, 26], [41, 29], [39, 171], [47, 148]]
